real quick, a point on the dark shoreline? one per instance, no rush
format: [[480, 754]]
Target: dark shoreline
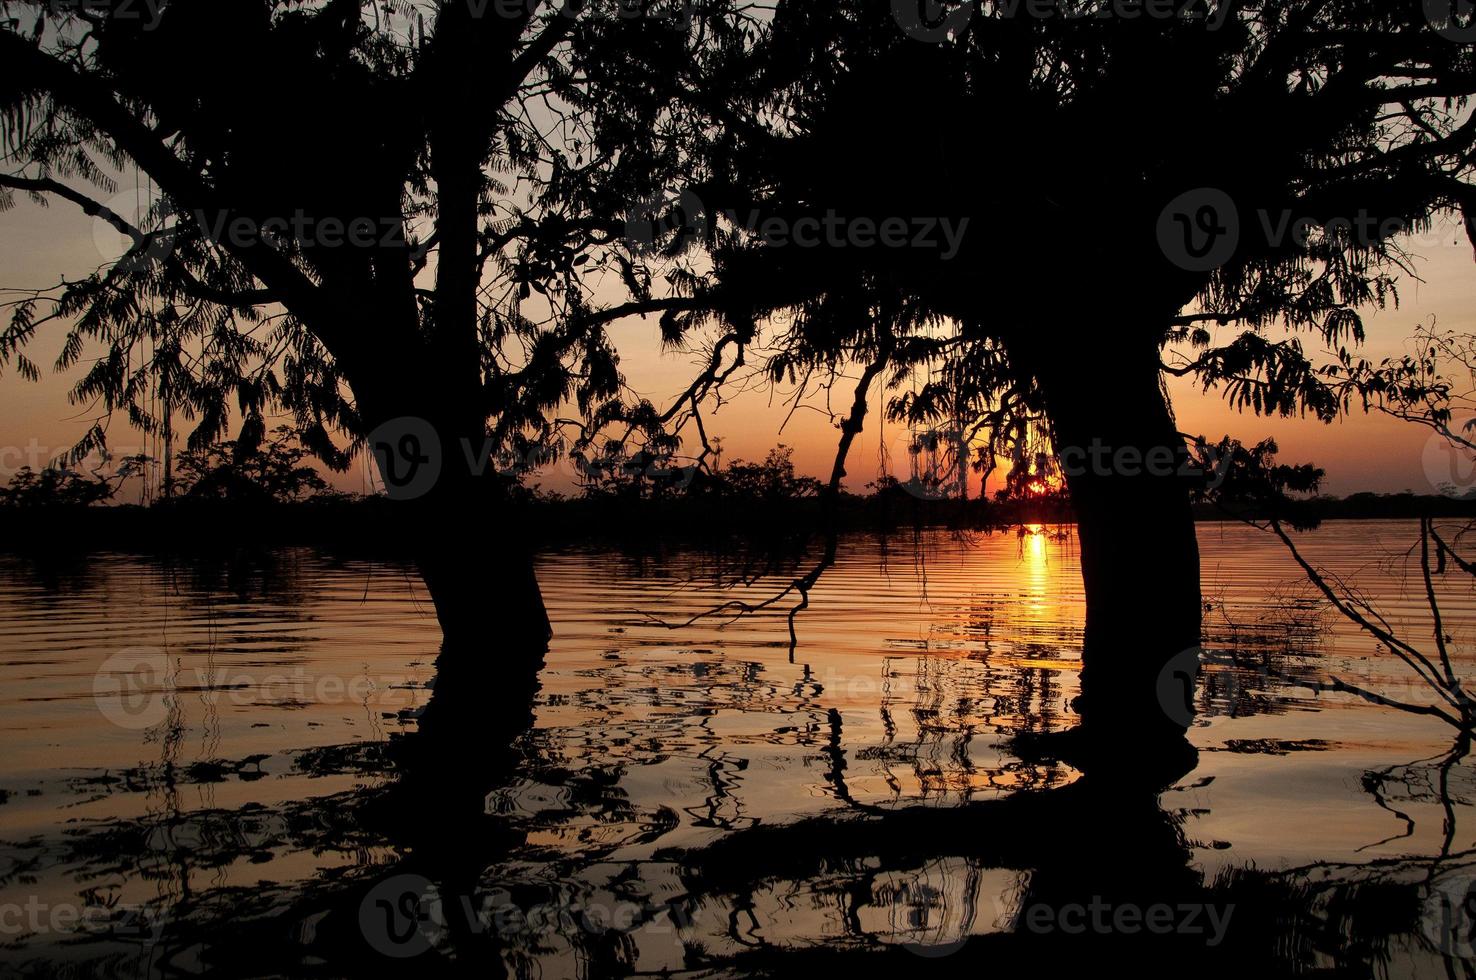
[[370, 527]]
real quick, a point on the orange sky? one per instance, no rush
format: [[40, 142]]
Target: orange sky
[[38, 246]]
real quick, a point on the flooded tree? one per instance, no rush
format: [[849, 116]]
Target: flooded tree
[[1137, 196], [347, 217]]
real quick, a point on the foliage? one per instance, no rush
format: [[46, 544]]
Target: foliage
[[275, 470], [1336, 127], [1252, 483], [465, 296], [771, 480], [58, 487], [645, 476]]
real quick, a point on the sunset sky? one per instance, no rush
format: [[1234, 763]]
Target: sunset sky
[[38, 246]]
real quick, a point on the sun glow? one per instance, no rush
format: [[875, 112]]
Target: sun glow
[[1042, 485], [1034, 536]]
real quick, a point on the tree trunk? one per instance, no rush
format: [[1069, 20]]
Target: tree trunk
[[1129, 480], [471, 547], [477, 564]]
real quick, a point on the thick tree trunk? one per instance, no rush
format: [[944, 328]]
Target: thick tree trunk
[[477, 564], [1129, 479], [472, 549]]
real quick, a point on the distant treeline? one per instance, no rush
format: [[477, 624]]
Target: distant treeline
[[369, 526], [225, 499]]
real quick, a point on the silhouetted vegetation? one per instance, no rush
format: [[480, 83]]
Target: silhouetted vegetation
[[53, 487], [378, 237], [411, 232], [276, 470], [1425, 389]]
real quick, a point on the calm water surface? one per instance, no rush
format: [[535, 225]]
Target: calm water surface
[[187, 747]]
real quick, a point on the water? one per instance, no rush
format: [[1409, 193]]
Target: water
[[200, 761]]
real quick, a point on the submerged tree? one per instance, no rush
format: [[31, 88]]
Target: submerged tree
[[357, 222], [1131, 186]]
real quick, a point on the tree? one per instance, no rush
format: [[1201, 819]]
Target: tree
[[1128, 184], [772, 480], [274, 470], [361, 221], [53, 487]]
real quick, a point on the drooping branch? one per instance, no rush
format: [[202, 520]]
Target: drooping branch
[[851, 425], [1460, 716]]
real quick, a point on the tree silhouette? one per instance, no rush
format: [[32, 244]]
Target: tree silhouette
[[1132, 187], [361, 219], [275, 469]]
